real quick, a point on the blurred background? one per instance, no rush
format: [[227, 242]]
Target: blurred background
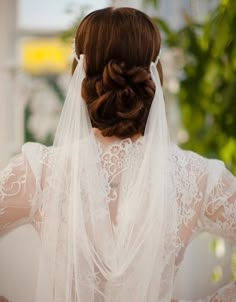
[[199, 63]]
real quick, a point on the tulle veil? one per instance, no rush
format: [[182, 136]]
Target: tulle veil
[[85, 256]]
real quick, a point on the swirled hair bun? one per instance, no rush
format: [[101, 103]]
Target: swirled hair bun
[[119, 45]]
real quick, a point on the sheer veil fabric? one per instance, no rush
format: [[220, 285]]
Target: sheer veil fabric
[[88, 253]]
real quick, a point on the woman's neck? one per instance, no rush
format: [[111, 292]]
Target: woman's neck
[[110, 139]]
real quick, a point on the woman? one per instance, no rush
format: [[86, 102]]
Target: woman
[[114, 201]]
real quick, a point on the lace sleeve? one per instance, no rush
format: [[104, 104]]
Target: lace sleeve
[[17, 190], [218, 216], [225, 294], [219, 208], [20, 188]]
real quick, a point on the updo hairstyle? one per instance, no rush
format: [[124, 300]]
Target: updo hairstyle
[[119, 45]]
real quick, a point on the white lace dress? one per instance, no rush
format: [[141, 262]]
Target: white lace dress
[[204, 190]]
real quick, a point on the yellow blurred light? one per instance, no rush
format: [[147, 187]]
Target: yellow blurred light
[[42, 56]]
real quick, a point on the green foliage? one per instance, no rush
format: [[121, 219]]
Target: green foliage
[[53, 83], [29, 136], [216, 275], [153, 3], [207, 90], [233, 264], [208, 80], [213, 246]]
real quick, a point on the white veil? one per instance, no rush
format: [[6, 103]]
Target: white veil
[[85, 257]]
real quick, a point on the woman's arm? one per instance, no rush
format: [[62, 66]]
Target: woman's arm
[[17, 191], [225, 294], [218, 216]]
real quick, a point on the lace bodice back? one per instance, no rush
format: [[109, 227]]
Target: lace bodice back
[[116, 158], [204, 190]]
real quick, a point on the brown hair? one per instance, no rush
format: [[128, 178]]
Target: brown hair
[[119, 45]]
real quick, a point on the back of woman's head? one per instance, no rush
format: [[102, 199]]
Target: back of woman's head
[[119, 45]]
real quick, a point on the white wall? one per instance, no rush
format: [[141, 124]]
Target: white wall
[[19, 251], [127, 3], [11, 108], [13, 248], [193, 278]]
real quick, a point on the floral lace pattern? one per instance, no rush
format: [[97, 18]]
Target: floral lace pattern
[[15, 182], [16, 194], [204, 190], [190, 172], [227, 294], [117, 158]]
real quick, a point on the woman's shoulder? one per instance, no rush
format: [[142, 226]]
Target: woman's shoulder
[[37, 150], [36, 155], [32, 147], [192, 159]]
